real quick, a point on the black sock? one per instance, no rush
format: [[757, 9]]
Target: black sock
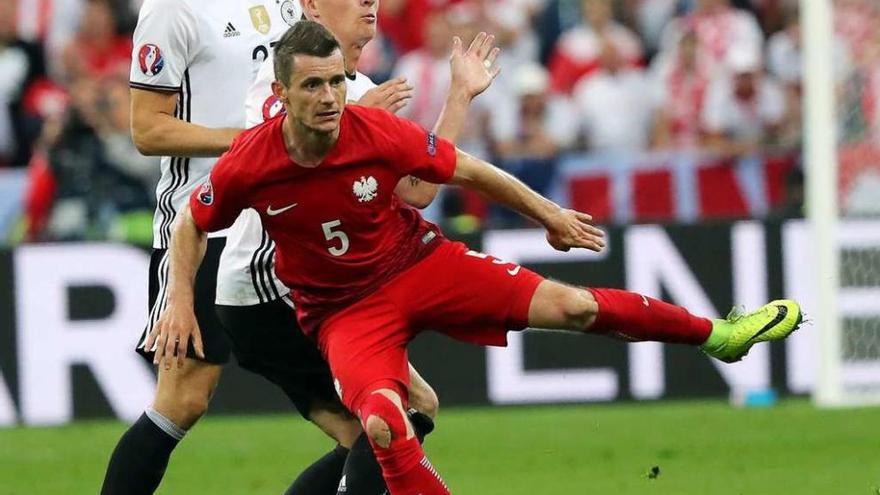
[[322, 477], [139, 460], [362, 474], [422, 424]]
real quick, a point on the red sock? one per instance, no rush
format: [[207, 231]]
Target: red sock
[[636, 317], [404, 466], [420, 479]]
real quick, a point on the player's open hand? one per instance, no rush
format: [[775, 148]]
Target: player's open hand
[[172, 333], [474, 70], [392, 95], [573, 229]]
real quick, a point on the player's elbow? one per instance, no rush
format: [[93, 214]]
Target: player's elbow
[[145, 139], [420, 199]]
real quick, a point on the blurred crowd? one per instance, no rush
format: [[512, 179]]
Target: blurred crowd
[[578, 76]]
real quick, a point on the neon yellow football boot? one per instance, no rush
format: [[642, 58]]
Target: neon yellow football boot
[[731, 338]]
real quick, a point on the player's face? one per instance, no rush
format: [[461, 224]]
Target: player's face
[[315, 98], [351, 21]]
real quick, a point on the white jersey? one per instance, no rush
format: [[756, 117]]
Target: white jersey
[[246, 275], [208, 53]]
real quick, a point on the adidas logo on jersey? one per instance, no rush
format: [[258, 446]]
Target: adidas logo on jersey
[[230, 31]]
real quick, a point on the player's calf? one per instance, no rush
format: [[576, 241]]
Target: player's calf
[[183, 394], [404, 466], [422, 397], [616, 313]]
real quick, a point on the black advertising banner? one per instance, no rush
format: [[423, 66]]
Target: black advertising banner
[[70, 315]]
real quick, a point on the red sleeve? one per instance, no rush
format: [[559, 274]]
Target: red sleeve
[[417, 152], [218, 201]]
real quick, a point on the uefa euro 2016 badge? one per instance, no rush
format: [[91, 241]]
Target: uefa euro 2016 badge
[[206, 193], [365, 189], [150, 59], [272, 107], [289, 12], [260, 19]]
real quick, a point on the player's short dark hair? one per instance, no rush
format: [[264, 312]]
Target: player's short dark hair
[[304, 38]]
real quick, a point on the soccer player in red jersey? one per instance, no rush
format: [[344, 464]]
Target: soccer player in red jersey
[[368, 273]]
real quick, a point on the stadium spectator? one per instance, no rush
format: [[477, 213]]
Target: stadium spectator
[[855, 21], [48, 23], [427, 69], [511, 23], [15, 66], [720, 27], [681, 84], [744, 110], [615, 104], [553, 19], [651, 17], [97, 47], [529, 132], [404, 23], [534, 124], [578, 52]]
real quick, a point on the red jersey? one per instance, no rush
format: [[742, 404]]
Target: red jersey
[[340, 231]]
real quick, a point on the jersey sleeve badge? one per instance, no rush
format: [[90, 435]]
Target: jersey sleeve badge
[[272, 107], [206, 194], [432, 144], [150, 59]]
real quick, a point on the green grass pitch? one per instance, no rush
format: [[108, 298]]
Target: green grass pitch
[[699, 447]]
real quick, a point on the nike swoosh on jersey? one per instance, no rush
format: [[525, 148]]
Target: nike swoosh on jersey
[[272, 213]]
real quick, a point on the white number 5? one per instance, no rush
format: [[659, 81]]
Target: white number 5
[[330, 234]]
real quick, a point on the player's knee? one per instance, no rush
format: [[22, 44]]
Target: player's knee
[[378, 431], [193, 405], [334, 420], [579, 308], [384, 418]]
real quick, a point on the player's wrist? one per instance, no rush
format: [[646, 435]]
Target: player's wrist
[[458, 94], [180, 298], [549, 214]]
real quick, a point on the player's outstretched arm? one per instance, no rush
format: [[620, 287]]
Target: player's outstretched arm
[[177, 323], [472, 73], [566, 228], [157, 132]]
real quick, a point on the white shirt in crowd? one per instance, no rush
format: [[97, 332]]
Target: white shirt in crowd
[[717, 33], [506, 123], [429, 77], [725, 114], [616, 110]]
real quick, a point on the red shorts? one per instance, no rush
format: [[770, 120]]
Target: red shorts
[[464, 294]]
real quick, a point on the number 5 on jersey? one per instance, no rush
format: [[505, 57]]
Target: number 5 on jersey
[[331, 234]]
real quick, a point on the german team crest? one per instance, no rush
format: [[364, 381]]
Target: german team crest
[[150, 59], [365, 189], [290, 12], [260, 19]]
